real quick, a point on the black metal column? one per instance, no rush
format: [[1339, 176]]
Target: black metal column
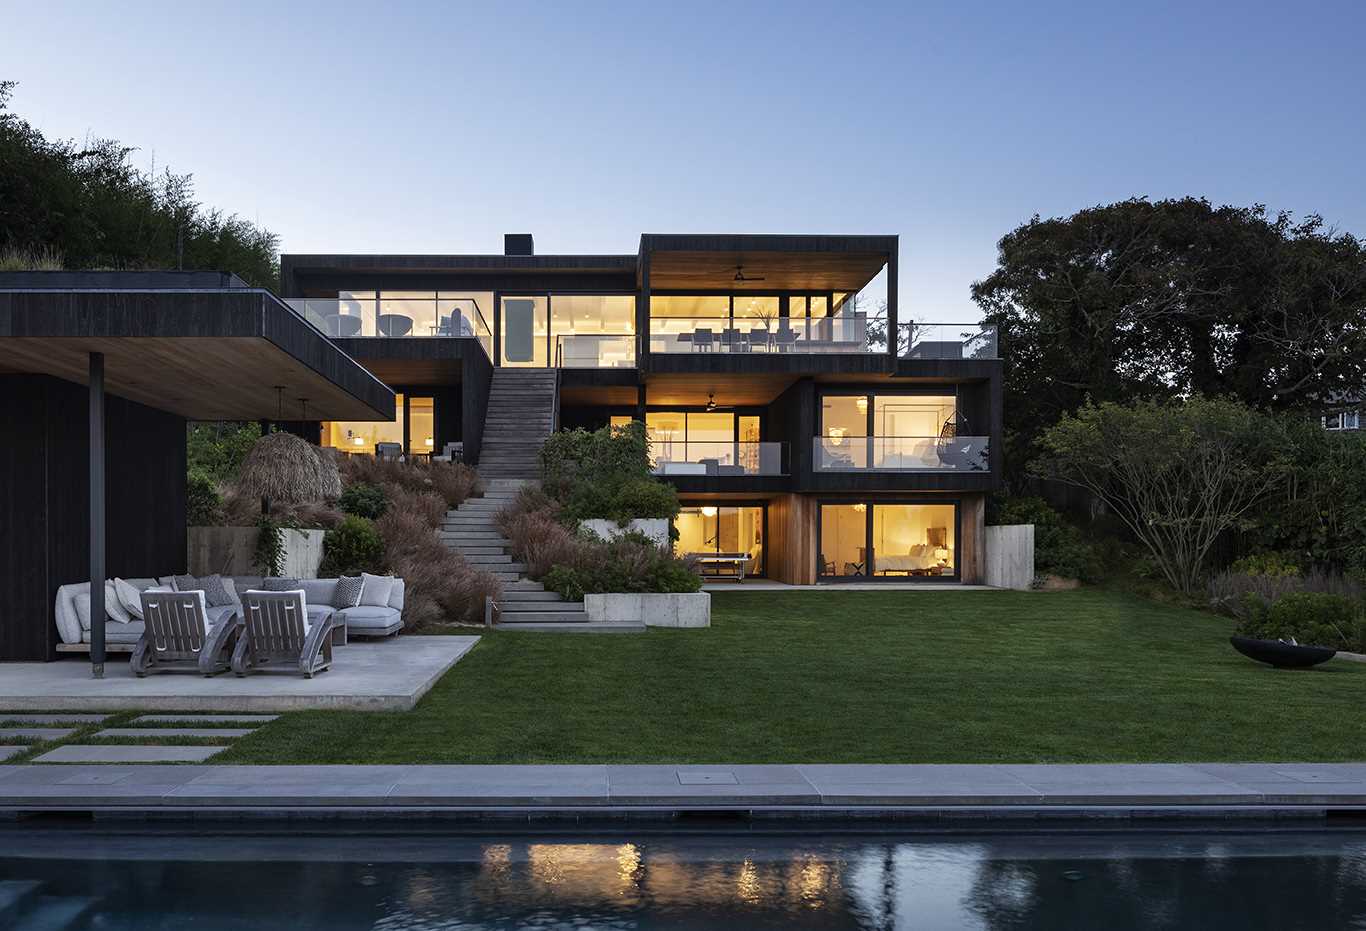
[[893, 295], [97, 615]]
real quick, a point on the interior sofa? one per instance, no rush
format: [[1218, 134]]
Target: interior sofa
[[73, 610]]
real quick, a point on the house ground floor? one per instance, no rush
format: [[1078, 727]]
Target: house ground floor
[[808, 539]]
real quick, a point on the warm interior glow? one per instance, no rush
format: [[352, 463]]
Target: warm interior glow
[[363, 436], [713, 528], [709, 511]]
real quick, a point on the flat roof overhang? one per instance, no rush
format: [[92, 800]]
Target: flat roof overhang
[[217, 353], [700, 262]]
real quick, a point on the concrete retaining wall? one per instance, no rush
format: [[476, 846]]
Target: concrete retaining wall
[[656, 528], [1010, 556], [679, 610], [229, 550]]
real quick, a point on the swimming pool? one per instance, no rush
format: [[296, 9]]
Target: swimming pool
[[240, 878]]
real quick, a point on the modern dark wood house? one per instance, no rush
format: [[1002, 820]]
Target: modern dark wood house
[[806, 426]]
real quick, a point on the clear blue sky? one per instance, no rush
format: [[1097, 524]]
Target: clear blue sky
[[436, 127]]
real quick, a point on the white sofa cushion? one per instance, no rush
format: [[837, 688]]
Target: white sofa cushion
[[376, 590], [303, 596], [370, 617], [396, 596], [130, 596]]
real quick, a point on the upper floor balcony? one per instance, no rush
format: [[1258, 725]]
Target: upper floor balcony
[[759, 335], [432, 314], [902, 453], [718, 457], [946, 341]]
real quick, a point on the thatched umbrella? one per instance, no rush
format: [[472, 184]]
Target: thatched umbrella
[[282, 467]]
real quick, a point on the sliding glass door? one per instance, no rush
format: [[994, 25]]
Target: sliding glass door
[[706, 529], [887, 541]]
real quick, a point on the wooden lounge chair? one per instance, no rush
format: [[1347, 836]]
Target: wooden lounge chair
[[275, 634], [176, 636]]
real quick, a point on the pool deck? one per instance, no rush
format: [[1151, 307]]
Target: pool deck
[[366, 675], [535, 792]]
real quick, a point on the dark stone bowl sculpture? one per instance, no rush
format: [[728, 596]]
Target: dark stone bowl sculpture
[[1281, 655]]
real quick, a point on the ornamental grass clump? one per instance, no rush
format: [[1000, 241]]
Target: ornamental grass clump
[[441, 585]]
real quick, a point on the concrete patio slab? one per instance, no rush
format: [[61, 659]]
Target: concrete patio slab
[[152, 733], [205, 718], [107, 753], [804, 791], [37, 733], [41, 719], [387, 675]]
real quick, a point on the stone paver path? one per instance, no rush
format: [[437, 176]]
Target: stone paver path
[[205, 718], [20, 717], [37, 733], [225, 733], [110, 753]]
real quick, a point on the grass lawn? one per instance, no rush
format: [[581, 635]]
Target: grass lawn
[[860, 677]]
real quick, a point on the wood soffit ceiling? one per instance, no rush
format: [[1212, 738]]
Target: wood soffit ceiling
[[781, 271]]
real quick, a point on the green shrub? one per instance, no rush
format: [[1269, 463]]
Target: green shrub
[[203, 503], [269, 555], [1272, 564], [363, 500], [218, 448], [1059, 547], [1310, 618], [352, 547], [645, 498]]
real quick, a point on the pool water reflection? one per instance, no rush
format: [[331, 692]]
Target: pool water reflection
[[402, 882]]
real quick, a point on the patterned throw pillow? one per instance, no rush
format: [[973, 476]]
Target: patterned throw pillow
[[215, 592], [183, 583], [348, 591], [276, 584]]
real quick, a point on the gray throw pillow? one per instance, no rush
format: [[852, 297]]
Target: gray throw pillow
[[348, 592], [277, 584], [183, 583]]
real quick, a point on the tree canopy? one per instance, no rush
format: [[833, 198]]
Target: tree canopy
[[86, 206], [1173, 299]]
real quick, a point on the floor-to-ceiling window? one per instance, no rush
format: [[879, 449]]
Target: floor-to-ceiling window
[[895, 431], [421, 425], [526, 331], [710, 442], [711, 529], [593, 330], [872, 540]]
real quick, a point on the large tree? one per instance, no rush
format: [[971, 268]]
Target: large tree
[[1171, 299]]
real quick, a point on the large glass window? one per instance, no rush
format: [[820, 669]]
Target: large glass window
[[526, 328], [714, 529], [913, 540], [359, 436], [690, 305], [844, 432], [906, 430], [888, 541], [593, 331]]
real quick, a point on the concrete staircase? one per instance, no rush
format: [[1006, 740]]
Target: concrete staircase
[[521, 414], [526, 605]]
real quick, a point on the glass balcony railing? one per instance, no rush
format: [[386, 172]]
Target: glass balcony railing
[[677, 457], [595, 350], [901, 453], [397, 317], [946, 341], [845, 333]]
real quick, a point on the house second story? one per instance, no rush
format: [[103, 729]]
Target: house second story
[[759, 363]]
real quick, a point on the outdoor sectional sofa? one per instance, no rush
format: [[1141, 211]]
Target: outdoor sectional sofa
[[73, 611]]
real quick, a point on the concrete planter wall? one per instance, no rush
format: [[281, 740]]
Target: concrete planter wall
[[1010, 556], [656, 528], [229, 550], [692, 609]]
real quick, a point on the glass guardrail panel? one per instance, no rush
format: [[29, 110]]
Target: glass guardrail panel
[[947, 341], [902, 453], [595, 350], [717, 458], [763, 335]]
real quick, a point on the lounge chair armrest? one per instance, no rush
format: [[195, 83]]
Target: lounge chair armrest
[[214, 652], [319, 638]]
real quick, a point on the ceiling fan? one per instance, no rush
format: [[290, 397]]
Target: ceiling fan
[[711, 403], [742, 278]]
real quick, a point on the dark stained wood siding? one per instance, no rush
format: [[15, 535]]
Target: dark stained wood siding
[[44, 501]]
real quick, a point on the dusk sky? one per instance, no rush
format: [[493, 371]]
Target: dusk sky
[[437, 127]]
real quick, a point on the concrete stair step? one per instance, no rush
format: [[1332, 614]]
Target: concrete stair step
[[541, 607], [487, 560], [523, 585], [543, 617], [530, 596], [471, 551]]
